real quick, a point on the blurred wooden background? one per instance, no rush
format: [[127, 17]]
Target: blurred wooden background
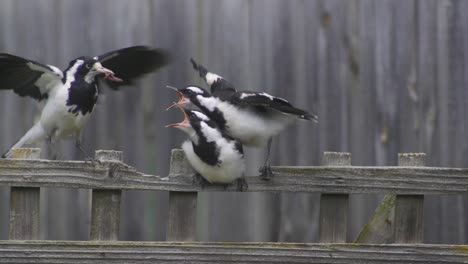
[[384, 76]]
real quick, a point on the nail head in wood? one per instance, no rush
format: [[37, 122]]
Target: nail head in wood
[[24, 203]]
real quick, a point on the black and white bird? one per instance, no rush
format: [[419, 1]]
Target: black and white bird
[[67, 98], [216, 157], [251, 117]]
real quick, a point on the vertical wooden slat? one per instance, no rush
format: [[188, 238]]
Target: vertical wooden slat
[[24, 203], [409, 211], [105, 211], [334, 207], [181, 225], [382, 225]]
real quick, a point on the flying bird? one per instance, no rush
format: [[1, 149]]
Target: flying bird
[[216, 157], [251, 117], [67, 98]]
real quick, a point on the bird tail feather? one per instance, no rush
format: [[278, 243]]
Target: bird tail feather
[[312, 117], [34, 134]]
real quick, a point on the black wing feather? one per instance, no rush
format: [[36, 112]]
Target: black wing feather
[[271, 102], [220, 88], [130, 63], [20, 75]]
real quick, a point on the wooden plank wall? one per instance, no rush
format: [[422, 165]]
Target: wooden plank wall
[[384, 76]]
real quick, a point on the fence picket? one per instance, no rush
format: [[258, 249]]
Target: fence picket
[[105, 210], [181, 225], [334, 207], [24, 203]]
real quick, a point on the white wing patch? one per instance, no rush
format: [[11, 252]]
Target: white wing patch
[[201, 116], [48, 79], [244, 95], [209, 102], [211, 78], [56, 71], [267, 95], [195, 89]]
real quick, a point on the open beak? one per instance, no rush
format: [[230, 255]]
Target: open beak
[[108, 74], [181, 100], [183, 123]]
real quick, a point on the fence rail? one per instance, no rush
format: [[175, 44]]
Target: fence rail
[[400, 221], [323, 179], [206, 252]]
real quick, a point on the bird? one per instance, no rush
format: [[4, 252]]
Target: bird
[[216, 157], [67, 98], [253, 118]]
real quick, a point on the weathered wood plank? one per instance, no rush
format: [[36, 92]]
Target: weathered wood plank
[[181, 225], [117, 175], [381, 227], [409, 209], [24, 203], [193, 252], [334, 207], [105, 208]]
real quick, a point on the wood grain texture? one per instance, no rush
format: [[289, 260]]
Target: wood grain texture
[[105, 205], [72, 252], [333, 221], [24, 204], [356, 179], [381, 226], [182, 224], [409, 209]]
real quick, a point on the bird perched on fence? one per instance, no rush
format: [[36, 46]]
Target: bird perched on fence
[[251, 117], [67, 98], [215, 156]]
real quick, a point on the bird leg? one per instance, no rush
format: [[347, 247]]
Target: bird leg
[[52, 150], [198, 179], [242, 184], [79, 146], [265, 172]]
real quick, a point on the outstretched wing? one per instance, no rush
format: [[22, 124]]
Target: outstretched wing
[[219, 86], [272, 102], [130, 63], [26, 77]]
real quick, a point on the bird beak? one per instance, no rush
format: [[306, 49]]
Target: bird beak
[[108, 74], [181, 100], [183, 123]]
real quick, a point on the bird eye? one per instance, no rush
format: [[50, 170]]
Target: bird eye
[[88, 66]]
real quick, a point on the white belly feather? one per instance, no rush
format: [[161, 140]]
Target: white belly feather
[[231, 167], [57, 120], [252, 129]]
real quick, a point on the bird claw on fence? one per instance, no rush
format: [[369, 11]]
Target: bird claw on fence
[[266, 173]]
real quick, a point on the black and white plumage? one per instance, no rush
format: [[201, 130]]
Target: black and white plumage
[[251, 117], [68, 98], [214, 155]]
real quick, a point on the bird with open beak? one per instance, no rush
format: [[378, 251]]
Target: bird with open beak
[[67, 98], [216, 157]]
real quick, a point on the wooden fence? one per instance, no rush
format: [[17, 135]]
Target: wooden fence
[[394, 234]]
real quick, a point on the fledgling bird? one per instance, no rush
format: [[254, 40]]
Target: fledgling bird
[[251, 117], [67, 98], [216, 157]]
